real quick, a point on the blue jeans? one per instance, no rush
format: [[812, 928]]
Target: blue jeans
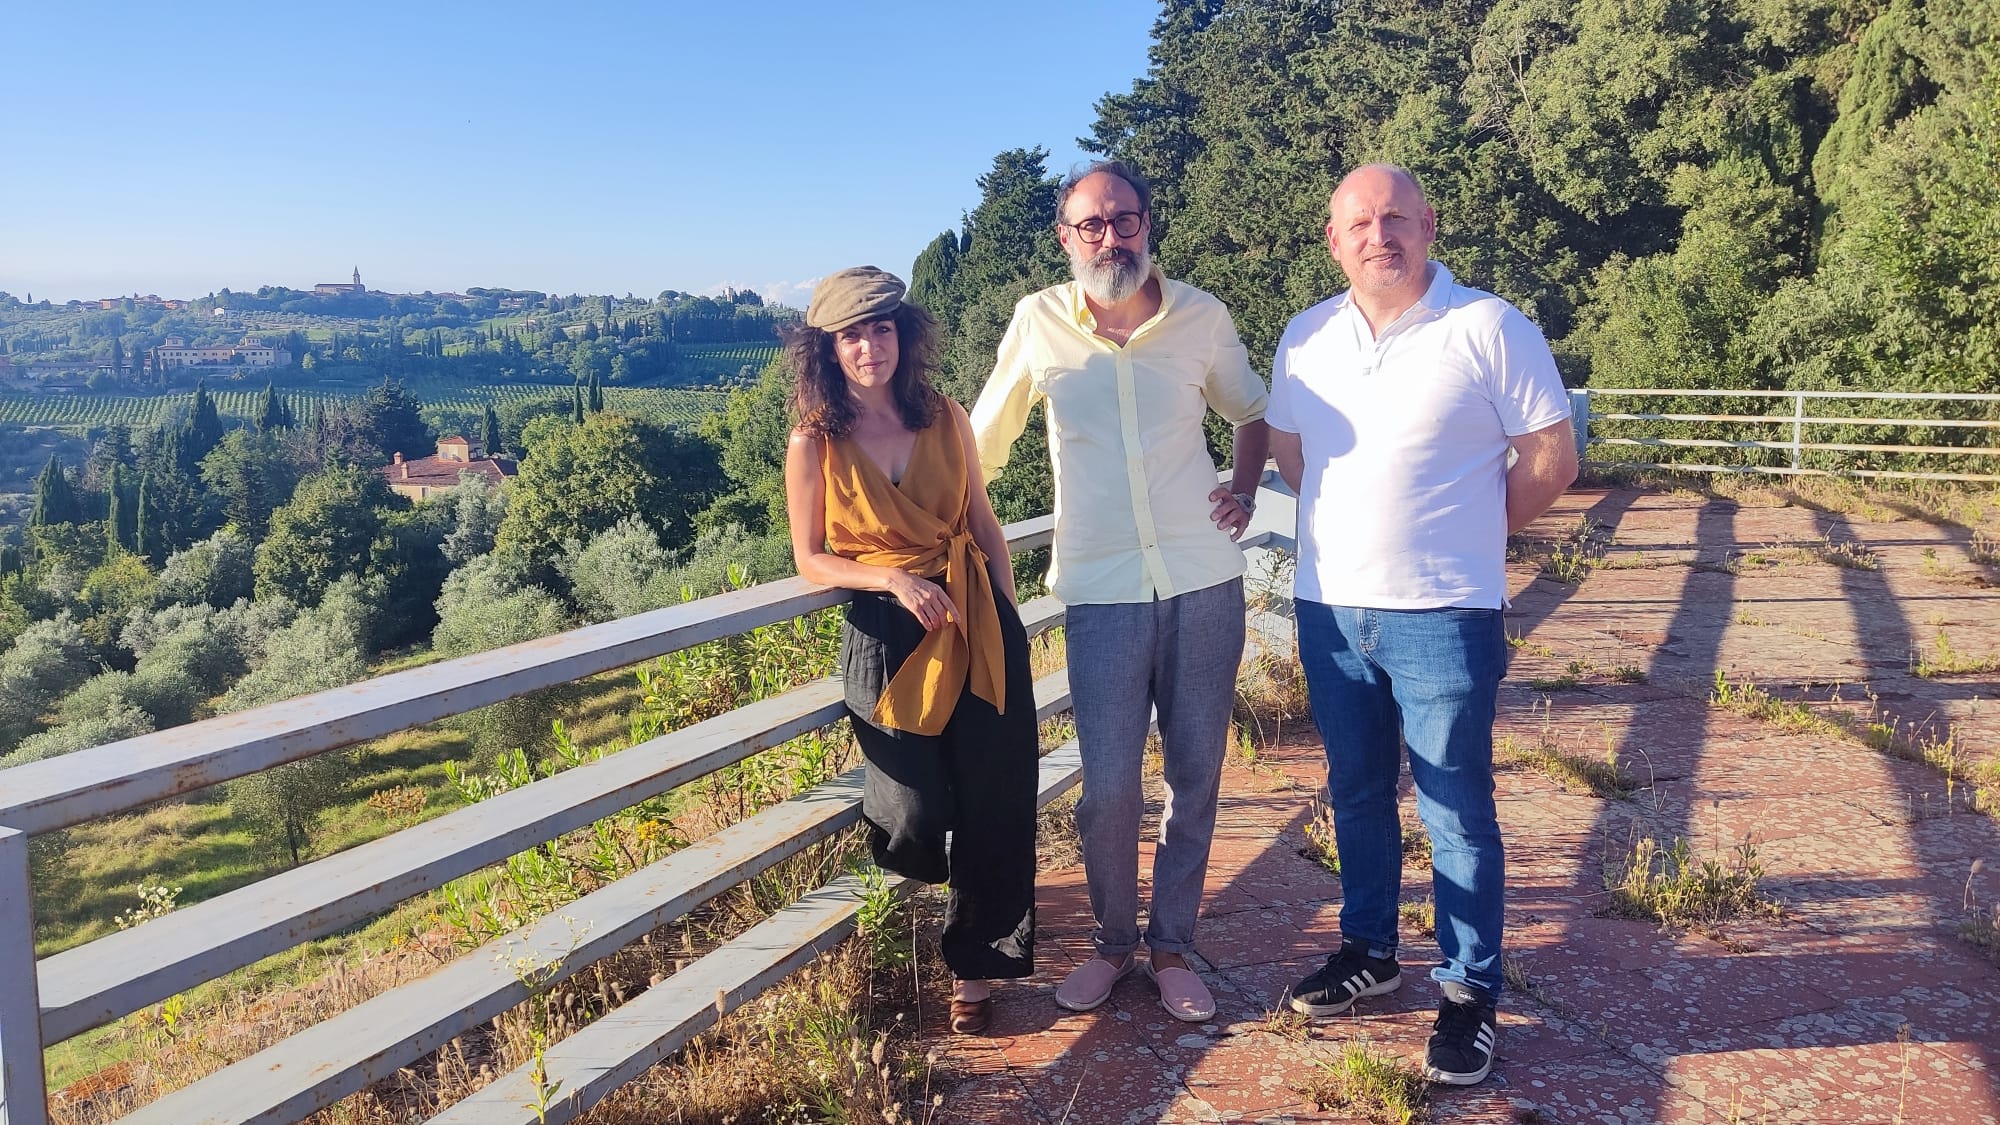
[[1429, 679]]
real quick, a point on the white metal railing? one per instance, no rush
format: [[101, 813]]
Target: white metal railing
[[1796, 420], [71, 992]]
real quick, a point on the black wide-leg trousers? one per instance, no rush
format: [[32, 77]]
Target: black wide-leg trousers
[[976, 780]]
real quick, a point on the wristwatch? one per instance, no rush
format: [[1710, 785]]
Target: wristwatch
[[1248, 501]]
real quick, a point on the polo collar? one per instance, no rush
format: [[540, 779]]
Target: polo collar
[[1436, 298], [1437, 295], [1079, 310]]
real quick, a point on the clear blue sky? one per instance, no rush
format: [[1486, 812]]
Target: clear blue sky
[[567, 147]]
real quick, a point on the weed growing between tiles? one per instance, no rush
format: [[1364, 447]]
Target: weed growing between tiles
[[1982, 924], [1969, 783], [1567, 559], [1321, 847], [1361, 1079], [1420, 917], [1515, 972], [1679, 891], [1944, 659], [1574, 771]]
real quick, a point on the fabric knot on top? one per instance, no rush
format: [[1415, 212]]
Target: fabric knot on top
[[922, 526]]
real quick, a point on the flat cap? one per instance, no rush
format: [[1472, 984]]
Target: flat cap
[[853, 295]]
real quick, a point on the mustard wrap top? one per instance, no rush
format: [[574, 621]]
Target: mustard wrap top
[[922, 526]]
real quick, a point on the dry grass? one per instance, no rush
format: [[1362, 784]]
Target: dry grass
[[1416, 847], [1057, 846], [1271, 693], [1420, 917]]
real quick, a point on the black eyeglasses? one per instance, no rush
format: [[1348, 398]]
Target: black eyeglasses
[[1125, 223]]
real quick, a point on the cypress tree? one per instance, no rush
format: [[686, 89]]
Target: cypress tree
[[489, 437], [115, 517], [596, 393], [576, 405], [272, 413], [55, 502], [204, 427], [117, 356], [143, 531]]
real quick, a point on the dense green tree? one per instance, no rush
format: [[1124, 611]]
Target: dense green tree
[[751, 432], [406, 569], [55, 500], [144, 533], [584, 478], [272, 413], [391, 419], [320, 650], [325, 532], [476, 509], [594, 395], [931, 276], [249, 474], [215, 571], [111, 450], [1012, 251], [203, 428], [1647, 179]]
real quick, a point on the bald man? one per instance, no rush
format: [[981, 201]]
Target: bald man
[[1394, 407]]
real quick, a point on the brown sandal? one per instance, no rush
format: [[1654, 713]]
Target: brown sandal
[[971, 1017]]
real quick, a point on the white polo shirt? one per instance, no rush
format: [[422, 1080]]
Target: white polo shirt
[[1403, 501]]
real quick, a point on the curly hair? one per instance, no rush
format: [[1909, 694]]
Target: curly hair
[[821, 402]]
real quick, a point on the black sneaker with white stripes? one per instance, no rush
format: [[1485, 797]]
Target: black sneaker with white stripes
[[1346, 977], [1460, 1052]]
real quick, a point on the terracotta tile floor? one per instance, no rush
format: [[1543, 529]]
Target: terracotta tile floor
[[1861, 1003]]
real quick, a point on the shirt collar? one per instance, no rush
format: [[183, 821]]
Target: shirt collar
[[1436, 298], [1079, 310]]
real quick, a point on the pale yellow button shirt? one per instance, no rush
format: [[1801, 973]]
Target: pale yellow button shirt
[[1132, 471]]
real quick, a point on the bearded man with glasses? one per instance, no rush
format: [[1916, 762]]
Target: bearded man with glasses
[[1129, 363]]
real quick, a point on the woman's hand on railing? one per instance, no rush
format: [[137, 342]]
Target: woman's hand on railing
[[920, 596]]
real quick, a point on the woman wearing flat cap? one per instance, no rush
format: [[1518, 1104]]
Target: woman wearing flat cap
[[883, 490]]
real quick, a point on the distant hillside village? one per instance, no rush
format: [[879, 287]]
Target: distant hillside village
[[460, 351]]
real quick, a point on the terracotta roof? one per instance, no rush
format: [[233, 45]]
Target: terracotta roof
[[444, 474]]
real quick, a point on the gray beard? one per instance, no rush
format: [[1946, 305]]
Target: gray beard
[[1108, 280]]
